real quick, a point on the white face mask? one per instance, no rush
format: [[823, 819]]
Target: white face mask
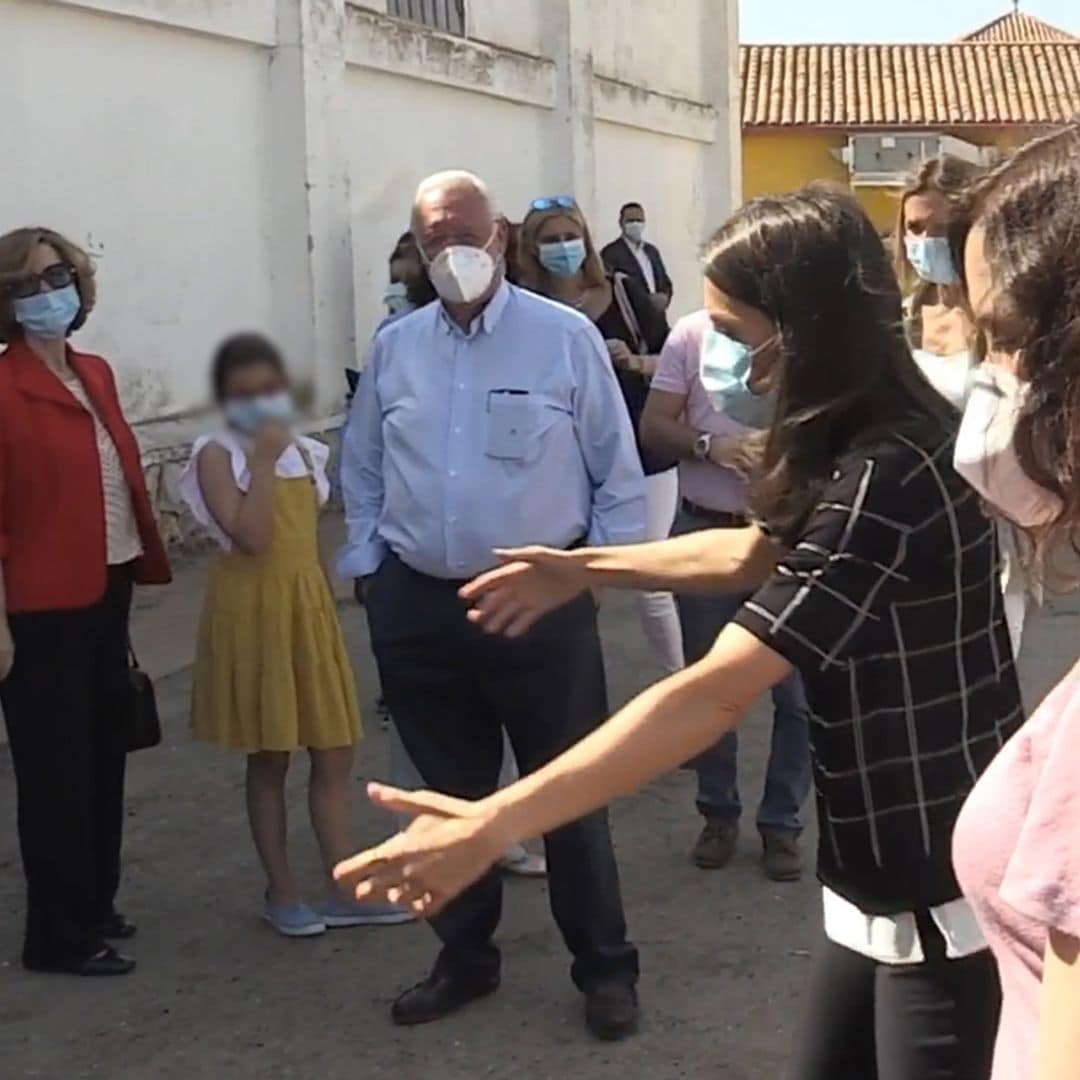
[[635, 231], [461, 274], [396, 298], [986, 457]]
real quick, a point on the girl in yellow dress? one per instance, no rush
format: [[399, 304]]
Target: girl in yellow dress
[[271, 673]]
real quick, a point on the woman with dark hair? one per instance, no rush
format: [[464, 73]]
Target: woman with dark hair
[[556, 257], [77, 532], [874, 570], [1017, 842]]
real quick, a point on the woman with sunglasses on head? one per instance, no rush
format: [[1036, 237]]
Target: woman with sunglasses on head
[[76, 533], [941, 333], [557, 258], [1017, 844], [872, 569]]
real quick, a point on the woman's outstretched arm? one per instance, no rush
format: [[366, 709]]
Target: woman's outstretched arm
[[534, 581], [452, 842]]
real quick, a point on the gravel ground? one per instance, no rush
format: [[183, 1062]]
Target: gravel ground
[[724, 955]]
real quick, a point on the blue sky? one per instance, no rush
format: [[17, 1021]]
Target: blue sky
[[882, 20]]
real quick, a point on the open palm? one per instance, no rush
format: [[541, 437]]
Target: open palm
[[532, 582]]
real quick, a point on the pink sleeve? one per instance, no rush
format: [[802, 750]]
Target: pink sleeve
[[672, 375], [1042, 879]]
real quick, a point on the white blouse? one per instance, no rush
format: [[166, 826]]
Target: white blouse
[[291, 465], [122, 541]]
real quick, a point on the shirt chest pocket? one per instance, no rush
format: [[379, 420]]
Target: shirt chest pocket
[[518, 423]]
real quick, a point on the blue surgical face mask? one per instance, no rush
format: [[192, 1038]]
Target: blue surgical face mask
[[49, 315], [249, 414], [931, 258], [563, 258], [725, 373]]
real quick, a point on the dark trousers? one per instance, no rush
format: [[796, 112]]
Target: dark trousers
[[931, 1021], [452, 690], [64, 705]]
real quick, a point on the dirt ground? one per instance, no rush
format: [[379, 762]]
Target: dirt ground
[[217, 994]]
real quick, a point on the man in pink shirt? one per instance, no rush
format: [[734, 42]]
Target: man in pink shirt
[[679, 420]]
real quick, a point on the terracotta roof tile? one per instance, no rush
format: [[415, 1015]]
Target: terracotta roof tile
[[953, 84], [1017, 26]]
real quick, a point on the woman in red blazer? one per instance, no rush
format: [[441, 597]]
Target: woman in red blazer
[[76, 532]]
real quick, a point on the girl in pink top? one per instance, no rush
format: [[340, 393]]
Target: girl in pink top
[[1017, 842]]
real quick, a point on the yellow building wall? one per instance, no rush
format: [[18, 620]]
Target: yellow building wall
[[776, 161]]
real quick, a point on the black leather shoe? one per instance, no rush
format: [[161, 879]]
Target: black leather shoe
[[107, 962], [611, 1010], [437, 996], [117, 928]]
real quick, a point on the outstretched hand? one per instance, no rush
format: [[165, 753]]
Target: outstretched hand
[[449, 845], [532, 582]]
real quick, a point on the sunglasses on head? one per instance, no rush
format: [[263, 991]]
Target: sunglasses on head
[[57, 276], [554, 202]]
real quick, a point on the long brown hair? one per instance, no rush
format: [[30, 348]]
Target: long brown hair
[[1029, 210], [15, 250], [533, 275], [814, 264], [947, 176]]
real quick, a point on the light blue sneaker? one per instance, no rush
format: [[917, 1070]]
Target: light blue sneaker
[[340, 912], [295, 920]]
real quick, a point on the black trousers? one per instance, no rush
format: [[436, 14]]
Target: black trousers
[[64, 703], [451, 690], [932, 1021]]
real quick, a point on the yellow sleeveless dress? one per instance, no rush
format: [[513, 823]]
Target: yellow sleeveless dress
[[271, 670]]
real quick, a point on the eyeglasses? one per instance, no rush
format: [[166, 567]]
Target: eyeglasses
[[57, 276], [554, 202]]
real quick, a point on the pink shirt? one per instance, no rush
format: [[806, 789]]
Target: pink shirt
[[678, 371], [1016, 850]]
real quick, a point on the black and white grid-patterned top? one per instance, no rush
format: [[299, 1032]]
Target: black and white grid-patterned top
[[889, 605]]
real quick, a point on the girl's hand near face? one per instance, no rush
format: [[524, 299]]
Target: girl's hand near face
[[271, 441]]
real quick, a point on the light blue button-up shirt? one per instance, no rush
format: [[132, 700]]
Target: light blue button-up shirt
[[513, 433]]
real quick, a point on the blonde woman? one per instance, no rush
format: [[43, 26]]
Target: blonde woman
[[941, 333], [556, 257]]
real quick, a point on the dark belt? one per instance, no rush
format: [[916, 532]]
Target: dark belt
[[718, 519]]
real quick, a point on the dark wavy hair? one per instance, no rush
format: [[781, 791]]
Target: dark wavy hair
[[1029, 210], [814, 264]]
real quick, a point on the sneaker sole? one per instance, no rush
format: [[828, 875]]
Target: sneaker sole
[[348, 922], [315, 930]]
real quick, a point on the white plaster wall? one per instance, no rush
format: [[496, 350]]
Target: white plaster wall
[[417, 129], [668, 176], [515, 25], [655, 43], [145, 144]]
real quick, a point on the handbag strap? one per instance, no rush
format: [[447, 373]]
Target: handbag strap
[[629, 315]]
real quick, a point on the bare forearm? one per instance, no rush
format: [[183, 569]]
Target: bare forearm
[[253, 526], [1059, 1037], [714, 560], [668, 437], [661, 729]]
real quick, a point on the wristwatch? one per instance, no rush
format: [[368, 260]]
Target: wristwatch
[[702, 446]]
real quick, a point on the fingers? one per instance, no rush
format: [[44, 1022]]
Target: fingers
[[534, 555], [363, 863], [417, 802], [487, 583]]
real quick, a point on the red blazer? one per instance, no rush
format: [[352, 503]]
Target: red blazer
[[52, 508]]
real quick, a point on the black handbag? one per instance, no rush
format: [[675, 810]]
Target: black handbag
[[143, 722]]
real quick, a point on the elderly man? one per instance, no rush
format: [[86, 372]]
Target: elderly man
[[491, 419]]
